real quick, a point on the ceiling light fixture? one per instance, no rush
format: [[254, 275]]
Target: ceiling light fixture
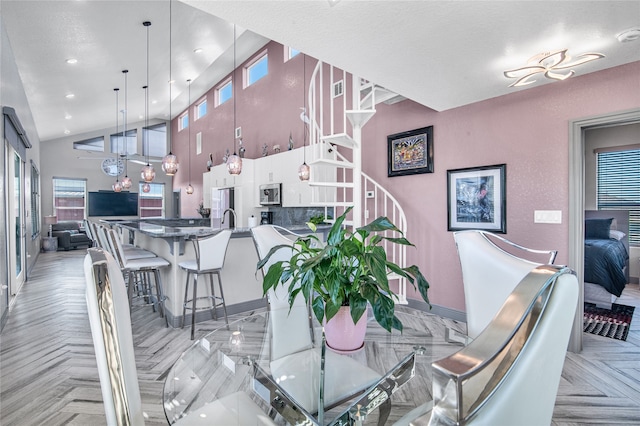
[[304, 171], [189, 189], [117, 186], [631, 34], [70, 96], [170, 161], [147, 173], [554, 65], [126, 181], [234, 162], [197, 50], [68, 117], [72, 61]]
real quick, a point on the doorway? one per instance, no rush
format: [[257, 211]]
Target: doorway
[[577, 130]]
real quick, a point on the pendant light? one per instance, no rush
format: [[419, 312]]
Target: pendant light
[[126, 182], [189, 189], [170, 161], [234, 162], [147, 173], [304, 171], [117, 186]]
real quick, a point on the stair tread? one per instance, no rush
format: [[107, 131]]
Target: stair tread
[[342, 139], [332, 184], [328, 162]]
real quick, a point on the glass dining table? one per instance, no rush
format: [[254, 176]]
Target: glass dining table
[[387, 381]]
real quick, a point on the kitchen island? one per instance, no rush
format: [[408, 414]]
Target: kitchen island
[[169, 238]]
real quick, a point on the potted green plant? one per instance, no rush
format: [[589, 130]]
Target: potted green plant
[[346, 272]]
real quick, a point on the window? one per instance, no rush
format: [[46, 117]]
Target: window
[[183, 121], [93, 144], [201, 109], [224, 92], [256, 70], [35, 200], [128, 145], [619, 186], [155, 140], [152, 202], [289, 53], [69, 199]]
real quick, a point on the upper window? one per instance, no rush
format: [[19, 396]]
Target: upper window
[[128, 145], [155, 140], [224, 92], [93, 144], [69, 197], [619, 186], [183, 121], [256, 69], [201, 109], [289, 53], [152, 202]]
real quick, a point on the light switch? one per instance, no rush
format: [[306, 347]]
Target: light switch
[[547, 216]]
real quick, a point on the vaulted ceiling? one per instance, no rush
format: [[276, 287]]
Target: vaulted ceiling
[[441, 54]]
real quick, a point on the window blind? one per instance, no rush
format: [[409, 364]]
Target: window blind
[[618, 186]]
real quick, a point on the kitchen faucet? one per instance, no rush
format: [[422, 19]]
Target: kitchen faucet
[[235, 218]]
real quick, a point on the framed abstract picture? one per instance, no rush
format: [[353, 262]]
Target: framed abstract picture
[[410, 152], [477, 199]]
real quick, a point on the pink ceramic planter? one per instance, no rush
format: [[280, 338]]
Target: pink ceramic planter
[[342, 334]]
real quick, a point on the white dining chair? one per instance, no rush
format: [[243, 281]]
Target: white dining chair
[[110, 322]]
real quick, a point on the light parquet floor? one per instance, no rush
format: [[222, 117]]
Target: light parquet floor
[[48, 373]]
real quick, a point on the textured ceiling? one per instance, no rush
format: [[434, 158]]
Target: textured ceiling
[[442, 54]]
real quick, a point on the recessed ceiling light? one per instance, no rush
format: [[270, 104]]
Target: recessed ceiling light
[[154, 101], [72, 61], [198, 50], [67, 117], [629, 35], [66, 132], [70, 96]]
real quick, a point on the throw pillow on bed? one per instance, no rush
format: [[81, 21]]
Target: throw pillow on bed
[[597, 228]]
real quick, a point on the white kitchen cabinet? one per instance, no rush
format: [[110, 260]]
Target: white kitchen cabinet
[[296, 194]]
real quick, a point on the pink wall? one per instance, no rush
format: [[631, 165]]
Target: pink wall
[[267, 111], [527, 130]]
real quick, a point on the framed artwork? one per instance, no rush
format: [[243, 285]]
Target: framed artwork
[[410, 152], [477, 198]]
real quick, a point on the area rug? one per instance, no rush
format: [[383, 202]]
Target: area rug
[[613, 323]]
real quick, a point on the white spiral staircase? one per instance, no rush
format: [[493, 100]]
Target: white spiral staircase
[[335, 155]]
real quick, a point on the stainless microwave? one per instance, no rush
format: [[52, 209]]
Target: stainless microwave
[[269, 194]]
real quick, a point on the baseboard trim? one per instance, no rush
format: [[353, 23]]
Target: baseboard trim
[[442, 311]]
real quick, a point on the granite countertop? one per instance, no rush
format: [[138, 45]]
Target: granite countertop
[[192, 228]]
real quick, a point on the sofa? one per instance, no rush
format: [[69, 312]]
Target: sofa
[[70, 236]]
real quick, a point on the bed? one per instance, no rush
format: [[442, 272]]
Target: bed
[[606, 255]]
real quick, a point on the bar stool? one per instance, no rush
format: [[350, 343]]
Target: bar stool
[[210, 254], [139, 271]]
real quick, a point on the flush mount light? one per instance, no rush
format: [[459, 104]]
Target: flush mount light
[[67, 117], [70, 96], [554, 65], [631, 34], [72, 61], [66, 132], [197, 50]]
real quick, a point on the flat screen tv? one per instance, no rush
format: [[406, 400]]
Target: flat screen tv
[[109, 203]]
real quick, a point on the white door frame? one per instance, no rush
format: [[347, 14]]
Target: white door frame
[[577, 129]]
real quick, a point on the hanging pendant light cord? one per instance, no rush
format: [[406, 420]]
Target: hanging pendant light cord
[[116, 90], [146, 97], [124, 120], [170, 84], [304, 110], [189, 125], [234, 89]]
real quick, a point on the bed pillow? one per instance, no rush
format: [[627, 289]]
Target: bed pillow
[[616, 235], [597, 228]]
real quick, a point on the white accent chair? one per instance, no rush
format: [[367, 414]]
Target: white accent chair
[[210, 254], [113, 343], [489, 274], [291, 342], [509, 375]]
